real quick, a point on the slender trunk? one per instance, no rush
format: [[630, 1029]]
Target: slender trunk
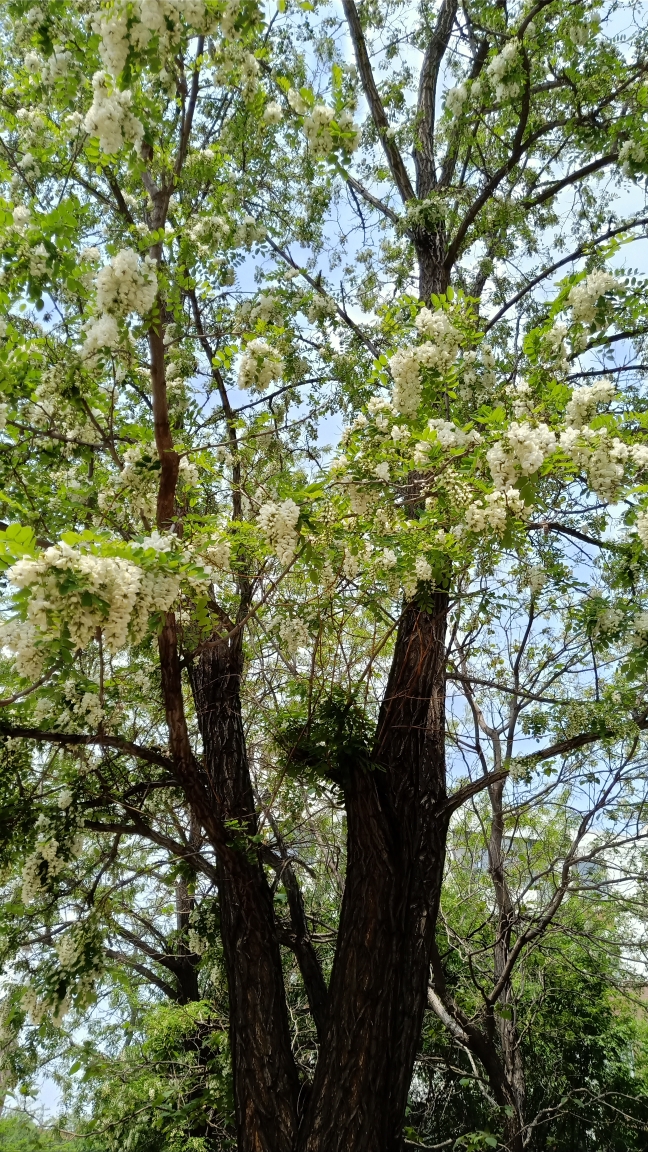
[[396, 838], [186, 971], [506, 1024], [265, 1078]]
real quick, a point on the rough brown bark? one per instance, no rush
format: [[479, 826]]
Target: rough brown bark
[[265, 1078], [396, 837]]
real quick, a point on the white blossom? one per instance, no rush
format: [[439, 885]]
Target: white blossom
[[630, 152], [491, 511], [21, 217], [279, 523], [642, 528], [584, 297], [297, 102], [455, 99], [523, 451], [602, 457], [584, 402], [439, 354], [127, 284], [422, 568], [110, 117], [448, 435], [129, 593], [272, 113], [350, 565], [101, 332], [260, 365]]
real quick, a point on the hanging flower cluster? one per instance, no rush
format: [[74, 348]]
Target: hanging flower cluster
[[498, 68], [110, 118], [455, 99], [52, 852], [438, 353], [133, 25], [584, 297], [127, 284], [319, 129], [77, 593], [524, 450], [491, 511], [585, 401], [279, 523], [260, 365]]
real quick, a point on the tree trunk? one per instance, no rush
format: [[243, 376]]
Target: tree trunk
[[265, 1078], [396, 839]]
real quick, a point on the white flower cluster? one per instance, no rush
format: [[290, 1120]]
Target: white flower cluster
[[102, 332], [350, 565], [474, 382], [439, 354], [123, 596], [449, 436], [608, 620], [21, 217], [110, 118], [630, 152], [218, 554], [639, 629], [319, 130], [584, 297], [124, 285], [603, 458], [138, 480], [498, 68], [45, 861], [536, 578], [584, 402], [127, 284], [556, 344], [422, 568], [455, 99], [294, 635], [642, 528], [83, 712], [491, 511], [321, 307], [279, 523], [21, 639], [148, 18], [272, 113], [523, 451], [260, 365]]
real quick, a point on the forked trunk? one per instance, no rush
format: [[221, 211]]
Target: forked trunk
[[396, 839]]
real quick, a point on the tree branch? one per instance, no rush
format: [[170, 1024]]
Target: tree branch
[[75, 739], [378, 115]]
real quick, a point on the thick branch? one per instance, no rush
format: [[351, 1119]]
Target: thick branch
[[76, 739], [434, 53], [378, 115]]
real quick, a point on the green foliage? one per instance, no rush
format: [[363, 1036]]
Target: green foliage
[[325, 739]]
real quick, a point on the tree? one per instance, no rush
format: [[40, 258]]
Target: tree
[[194, 534]]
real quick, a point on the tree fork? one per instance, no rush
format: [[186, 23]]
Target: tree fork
[[395, 843]]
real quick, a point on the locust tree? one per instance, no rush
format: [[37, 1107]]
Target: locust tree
[[177, 317]]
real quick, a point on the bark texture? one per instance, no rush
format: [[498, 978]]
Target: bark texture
[[265, 1077], [396, 838]]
